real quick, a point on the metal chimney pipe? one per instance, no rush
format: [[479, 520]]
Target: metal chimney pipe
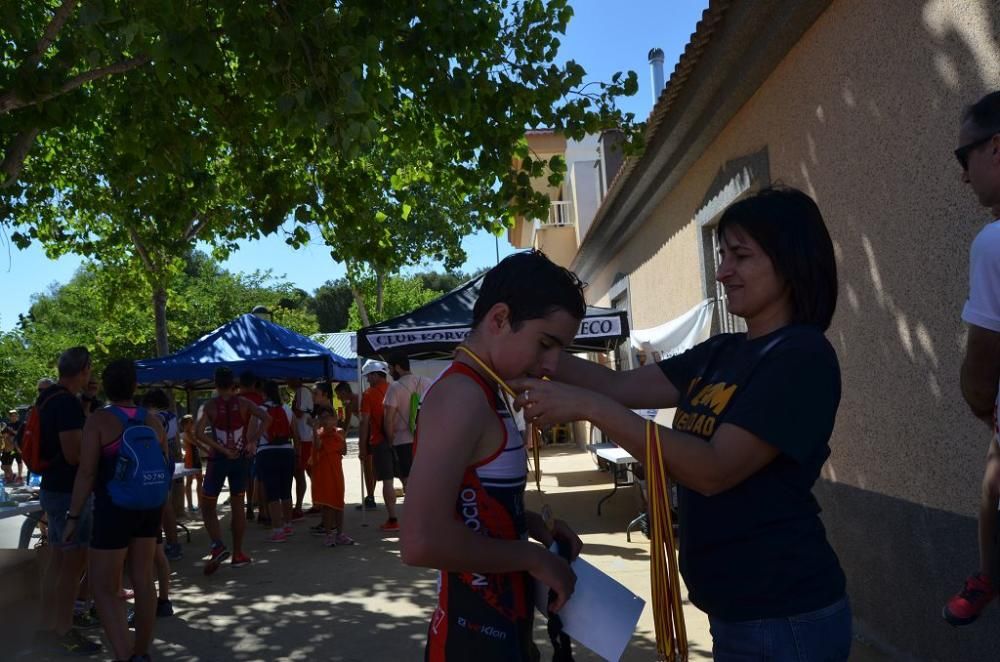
[[656, 72]]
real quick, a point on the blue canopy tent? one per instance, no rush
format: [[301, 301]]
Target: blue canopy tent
[[267, 349]]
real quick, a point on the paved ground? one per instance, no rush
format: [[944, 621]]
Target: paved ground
[[303, 601]]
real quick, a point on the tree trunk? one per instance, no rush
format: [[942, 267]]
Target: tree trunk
[[160, 314], [359, 298], [379, 293]]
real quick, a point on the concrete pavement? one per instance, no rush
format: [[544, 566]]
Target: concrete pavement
[[303, 601]]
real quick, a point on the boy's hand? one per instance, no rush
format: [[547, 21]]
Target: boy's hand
[[562, 531], [554, 572]]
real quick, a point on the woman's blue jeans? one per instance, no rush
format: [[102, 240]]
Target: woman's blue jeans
[[823, 635]]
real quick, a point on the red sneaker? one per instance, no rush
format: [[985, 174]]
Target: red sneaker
[[241, 559], [390, 525], [217, 554], [974, 597]]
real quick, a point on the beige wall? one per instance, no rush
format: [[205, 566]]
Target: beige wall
[[558, 243], [863, 115]]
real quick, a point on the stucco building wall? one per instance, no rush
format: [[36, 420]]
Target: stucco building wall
[[863, 115]]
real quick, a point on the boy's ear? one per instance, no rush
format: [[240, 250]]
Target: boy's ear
[[498, 317]]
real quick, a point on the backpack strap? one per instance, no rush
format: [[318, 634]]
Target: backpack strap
[[123, 418]]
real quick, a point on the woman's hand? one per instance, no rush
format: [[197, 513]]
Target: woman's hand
[[70, 532], [550, 403]]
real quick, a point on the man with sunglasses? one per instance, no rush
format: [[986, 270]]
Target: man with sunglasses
[[979, 157]]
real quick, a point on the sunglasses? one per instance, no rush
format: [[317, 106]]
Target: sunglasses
[[962, 153]]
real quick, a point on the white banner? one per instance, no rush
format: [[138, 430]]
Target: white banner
[[678, 335]]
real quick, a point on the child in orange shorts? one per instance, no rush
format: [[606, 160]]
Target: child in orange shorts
[[329, 448]]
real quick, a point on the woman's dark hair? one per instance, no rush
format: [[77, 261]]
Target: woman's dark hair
[[326, 389], [272, 392], [790, 230], [118, 380], [156, 399], [532, 286], [343, 386]]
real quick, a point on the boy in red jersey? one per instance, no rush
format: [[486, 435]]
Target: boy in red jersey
[[465, 495]]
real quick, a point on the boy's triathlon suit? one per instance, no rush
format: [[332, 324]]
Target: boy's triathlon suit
[[228, 428], [487, 617]]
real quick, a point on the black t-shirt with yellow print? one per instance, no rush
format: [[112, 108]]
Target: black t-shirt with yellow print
[[759, 549]]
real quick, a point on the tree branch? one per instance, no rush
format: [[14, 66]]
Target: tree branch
[[10, 101], [51, 30], [140, 248], [17, 151], [197, 225]]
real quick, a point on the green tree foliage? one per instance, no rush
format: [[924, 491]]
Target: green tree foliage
[[400, 294], [445, 281], [333, 301], [109, 314], [134, 129]]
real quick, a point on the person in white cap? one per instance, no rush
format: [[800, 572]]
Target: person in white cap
[[371, 436]]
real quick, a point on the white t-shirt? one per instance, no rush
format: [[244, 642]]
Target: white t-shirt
[[304, 403], [982, 308], [398, 396]]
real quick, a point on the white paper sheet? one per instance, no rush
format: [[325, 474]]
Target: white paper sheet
[[601, 614]]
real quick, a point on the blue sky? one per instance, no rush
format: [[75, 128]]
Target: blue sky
[[603, 36]]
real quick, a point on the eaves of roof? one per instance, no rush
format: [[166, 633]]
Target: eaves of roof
[[734, 48]]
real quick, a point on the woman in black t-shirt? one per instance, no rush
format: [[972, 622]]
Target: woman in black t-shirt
[[755, 412]]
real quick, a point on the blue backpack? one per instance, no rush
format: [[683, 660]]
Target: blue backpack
[[142, 475]]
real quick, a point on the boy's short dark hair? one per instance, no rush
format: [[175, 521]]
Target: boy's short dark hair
[[326, 388], [224, 377], [156, 399], [532, 286], [398, 359], [789, 227], [985, 113], [118, 380], [342, 387], [248, 379]]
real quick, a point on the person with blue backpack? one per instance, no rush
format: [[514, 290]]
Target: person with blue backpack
[[123, 462]]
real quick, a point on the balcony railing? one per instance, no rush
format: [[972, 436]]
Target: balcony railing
[[560, 215]]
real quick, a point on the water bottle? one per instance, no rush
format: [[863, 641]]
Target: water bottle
[[35, 480], [4, 497]]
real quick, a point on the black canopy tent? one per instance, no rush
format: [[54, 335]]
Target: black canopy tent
[[436, 328]]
